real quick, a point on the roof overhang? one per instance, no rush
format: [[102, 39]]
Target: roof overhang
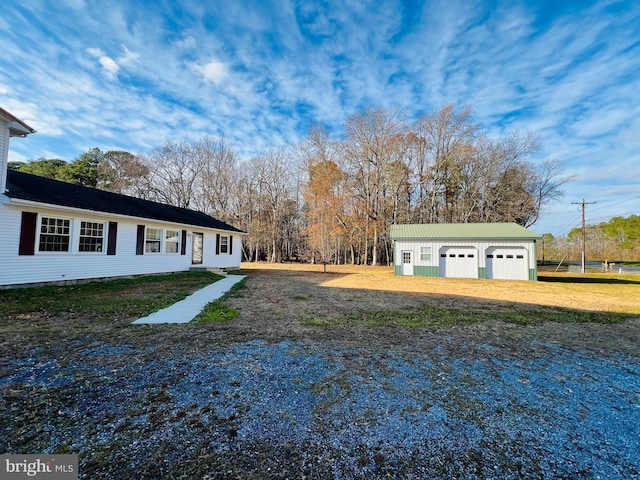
[[17, 128], [84, 212]]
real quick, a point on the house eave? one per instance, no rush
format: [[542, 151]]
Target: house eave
[[19, 129], [19, 202]]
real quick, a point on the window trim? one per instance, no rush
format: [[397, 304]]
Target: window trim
[[40, 233], [224, 244], [152, 241], [103, 237], [426, 252], [178, 235]]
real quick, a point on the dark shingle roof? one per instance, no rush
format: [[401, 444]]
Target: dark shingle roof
[[25, 186]]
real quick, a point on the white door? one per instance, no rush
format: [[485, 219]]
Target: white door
[[407, 262], [459, 262], [507, 263]]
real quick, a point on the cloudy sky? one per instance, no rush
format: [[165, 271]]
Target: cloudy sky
[[124, 75]]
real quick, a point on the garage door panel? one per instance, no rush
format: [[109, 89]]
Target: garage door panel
[[459, 262], [507, 263]]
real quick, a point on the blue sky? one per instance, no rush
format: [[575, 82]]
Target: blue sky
[[130, 75]]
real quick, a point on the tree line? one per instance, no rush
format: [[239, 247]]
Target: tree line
[[332, 198], [616, 240]]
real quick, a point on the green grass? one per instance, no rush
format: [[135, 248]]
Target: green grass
[[439, 316], [216, 311], [115, 298]]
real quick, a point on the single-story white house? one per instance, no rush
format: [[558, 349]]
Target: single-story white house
[[57, 232], [465, 250]]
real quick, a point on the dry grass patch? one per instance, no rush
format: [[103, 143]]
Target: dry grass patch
[[592, 292]]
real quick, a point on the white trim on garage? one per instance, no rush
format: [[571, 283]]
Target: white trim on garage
[[458, 262], [507, 263]]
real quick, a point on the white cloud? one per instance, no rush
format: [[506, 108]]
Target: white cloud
[[128, 57], [108, 64], [213, 71], [186, 43]]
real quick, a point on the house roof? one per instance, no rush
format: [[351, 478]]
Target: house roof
[[33, 188], [462, 231], [17, 128]]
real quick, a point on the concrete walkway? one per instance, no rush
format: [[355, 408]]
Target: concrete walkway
[[186, 310]]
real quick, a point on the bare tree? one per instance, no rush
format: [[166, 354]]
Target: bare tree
[[274, 189], [370, 149], [443, 138]]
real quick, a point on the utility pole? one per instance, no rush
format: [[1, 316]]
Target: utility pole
[[584, 233]]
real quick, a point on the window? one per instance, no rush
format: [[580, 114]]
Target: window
[[152, 240], [470, 255], [224, 244], [489, 255], [91, 237], [171, 241], [519, 256], [425, 254], [406, 257], [54, 234]]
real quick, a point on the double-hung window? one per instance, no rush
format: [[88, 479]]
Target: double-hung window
[[425, 254], [171, 241], [55, 234], [91, 237], [152, 240], [224, 244]]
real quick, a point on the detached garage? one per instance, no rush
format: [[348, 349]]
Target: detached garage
[[465, 250]]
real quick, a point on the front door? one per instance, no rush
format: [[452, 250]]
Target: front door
[[407, 262], [196, 250]]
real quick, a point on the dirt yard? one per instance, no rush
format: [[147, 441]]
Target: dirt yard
[[283, 296], [353, 373]]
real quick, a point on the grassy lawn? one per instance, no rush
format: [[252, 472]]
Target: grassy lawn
[[121, 298]]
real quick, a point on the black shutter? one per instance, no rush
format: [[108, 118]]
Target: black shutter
[[217, 244], [112, 238], [140, 240], [183, 245], [230, 244], [28, 234]]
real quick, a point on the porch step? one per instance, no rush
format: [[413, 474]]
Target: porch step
[[216, 270]]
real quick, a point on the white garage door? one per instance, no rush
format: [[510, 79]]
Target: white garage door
[[459, 262], [507, 263]]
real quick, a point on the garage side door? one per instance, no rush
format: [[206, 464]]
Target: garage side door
[[459, 262], [507, 263]]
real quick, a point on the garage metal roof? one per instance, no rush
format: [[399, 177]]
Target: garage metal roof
[[450, 231]]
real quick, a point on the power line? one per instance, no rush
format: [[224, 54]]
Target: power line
[[615, 203], [584, 231]]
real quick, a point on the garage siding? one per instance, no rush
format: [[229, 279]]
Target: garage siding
[[427, 260]]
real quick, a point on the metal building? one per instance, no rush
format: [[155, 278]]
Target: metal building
[[465, 250]]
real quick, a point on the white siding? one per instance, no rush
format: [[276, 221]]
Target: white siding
[[222, 260], [481, 246], [4, 155], [62, 266]]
